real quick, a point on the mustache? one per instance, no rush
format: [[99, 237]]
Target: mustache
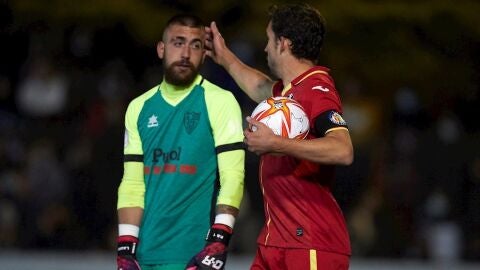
[[183, 63]]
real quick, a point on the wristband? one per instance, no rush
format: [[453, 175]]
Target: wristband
[[219, 233], [128, 229], [226, 219]]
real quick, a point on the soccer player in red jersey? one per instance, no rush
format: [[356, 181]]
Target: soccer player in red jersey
[[305, 227]]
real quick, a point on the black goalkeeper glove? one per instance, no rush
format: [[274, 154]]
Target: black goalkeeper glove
[[126, 250], [214, 254]]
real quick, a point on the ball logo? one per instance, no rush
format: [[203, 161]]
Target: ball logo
[[284, 116]]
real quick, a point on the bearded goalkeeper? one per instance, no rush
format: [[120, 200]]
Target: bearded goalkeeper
[[183, 163]]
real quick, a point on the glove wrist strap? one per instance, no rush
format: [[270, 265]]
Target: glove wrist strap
[[219, 233], [127, 245]]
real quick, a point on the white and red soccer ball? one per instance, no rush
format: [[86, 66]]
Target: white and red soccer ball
[[284, 116]]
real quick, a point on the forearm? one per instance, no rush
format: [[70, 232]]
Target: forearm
[[254, 83], [130, 215], [227, 209], [334, 150]]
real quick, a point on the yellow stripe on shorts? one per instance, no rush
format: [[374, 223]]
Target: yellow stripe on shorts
[[313, 259]]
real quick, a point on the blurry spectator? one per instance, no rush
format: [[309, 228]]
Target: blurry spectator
[[45, 173], [95, 161], [5, 92], [364, 113], [13, 191], [471, 218], [443, 235], [45, 213], [81, 42], [9, 223], [44, 90]]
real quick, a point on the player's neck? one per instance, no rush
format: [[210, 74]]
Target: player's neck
[[294, 68]]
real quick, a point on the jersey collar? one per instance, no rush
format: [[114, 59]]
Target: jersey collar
[[311, 71], [178, 90]]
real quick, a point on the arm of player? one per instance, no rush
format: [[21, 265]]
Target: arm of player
[[130, 212], [257, 85], [131, 193], [334, 148]]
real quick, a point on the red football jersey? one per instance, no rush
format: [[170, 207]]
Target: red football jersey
[[300, 210]]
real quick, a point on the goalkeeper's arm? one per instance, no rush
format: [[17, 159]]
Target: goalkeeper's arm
[[130, 212]]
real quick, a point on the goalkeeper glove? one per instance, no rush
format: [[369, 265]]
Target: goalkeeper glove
[[214, 254], [126, 250]]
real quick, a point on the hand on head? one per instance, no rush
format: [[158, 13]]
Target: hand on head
[[214, 43]]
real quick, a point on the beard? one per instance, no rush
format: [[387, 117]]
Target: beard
[[180, 73]]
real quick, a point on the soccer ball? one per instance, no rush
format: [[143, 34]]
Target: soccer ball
[[284, 116]]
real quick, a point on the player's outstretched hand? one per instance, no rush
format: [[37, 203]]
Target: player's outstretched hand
[[215, 46], [214, 255], [126, 253]]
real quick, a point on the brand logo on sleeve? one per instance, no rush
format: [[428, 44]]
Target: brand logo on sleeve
[[321, 88]]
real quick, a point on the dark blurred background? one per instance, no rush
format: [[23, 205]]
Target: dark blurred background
[[408, 72]]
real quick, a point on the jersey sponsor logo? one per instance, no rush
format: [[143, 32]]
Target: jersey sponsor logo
[[166, 156], [321, 88], [188, 169], [170, 168], [152, 121], [190, 121], [336, 118]]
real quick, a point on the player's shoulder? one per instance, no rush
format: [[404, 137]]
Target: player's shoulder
[[144, 96], [211, 87], [320, 83], [214, 91], [137, 102]]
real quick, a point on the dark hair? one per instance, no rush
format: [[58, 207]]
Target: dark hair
[[303, 25], [185, 20]]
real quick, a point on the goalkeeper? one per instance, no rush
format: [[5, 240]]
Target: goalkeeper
[[183, 163]]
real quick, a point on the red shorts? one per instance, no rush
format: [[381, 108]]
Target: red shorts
[[274, 258]]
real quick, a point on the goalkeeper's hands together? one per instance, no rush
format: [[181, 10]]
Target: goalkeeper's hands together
[[214, 255]]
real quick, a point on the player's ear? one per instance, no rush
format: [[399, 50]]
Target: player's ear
[[160, 49], [285, 44]]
